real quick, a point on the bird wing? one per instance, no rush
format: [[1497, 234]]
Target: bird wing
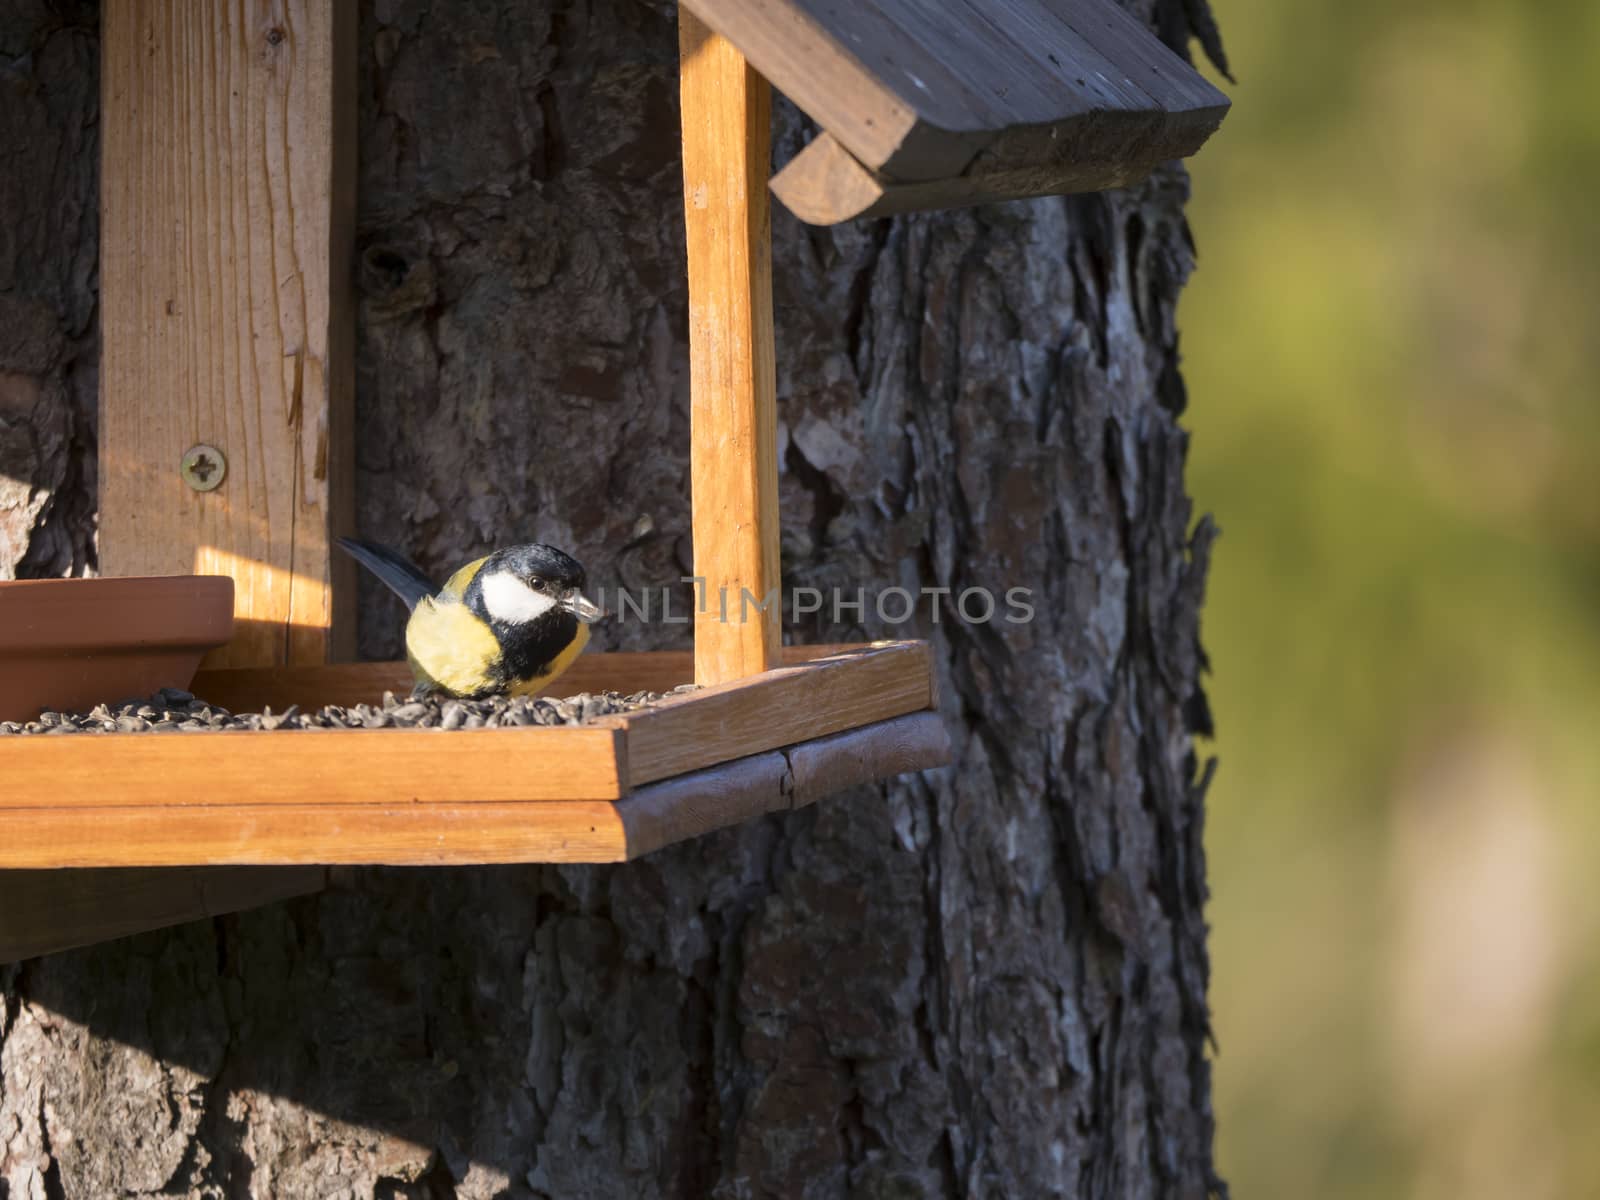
[[403, 577], [458, 583]]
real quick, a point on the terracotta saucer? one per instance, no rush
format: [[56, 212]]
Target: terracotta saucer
[[70, 644]]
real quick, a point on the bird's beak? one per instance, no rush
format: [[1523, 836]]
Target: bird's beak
[[580, 606]]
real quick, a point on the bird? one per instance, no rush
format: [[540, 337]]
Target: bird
[[508, 623]]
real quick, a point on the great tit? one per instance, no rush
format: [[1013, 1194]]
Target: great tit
[[507, 623]]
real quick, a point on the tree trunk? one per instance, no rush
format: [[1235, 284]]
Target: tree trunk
[[986, 981]]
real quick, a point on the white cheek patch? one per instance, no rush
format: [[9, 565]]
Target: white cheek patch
[[506, 598]]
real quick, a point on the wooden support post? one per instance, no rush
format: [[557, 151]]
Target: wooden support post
[[227, 211], [734, 453]]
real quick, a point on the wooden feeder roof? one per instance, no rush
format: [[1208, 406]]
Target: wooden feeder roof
[[935, 105]]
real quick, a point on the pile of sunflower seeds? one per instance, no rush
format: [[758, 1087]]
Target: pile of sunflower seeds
[[172, 710]]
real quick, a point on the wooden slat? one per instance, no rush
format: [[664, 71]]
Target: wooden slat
[[701, 801], [733, 383], [330, 833], [249, 689], [690, 805], [227, 206], [42, 912], [85, 771], [458, 834], [823, 184], [828, 765], [778, 708]]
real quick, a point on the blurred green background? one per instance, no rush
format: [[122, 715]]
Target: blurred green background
[[1393, 353]]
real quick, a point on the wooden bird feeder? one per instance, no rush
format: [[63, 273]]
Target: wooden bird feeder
[[227, 215]]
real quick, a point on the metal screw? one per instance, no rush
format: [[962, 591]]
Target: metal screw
[[203, 468]]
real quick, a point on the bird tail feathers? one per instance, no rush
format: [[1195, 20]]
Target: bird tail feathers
[[402, 576]]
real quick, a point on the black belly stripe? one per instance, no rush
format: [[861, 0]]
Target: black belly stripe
[[527, 651]]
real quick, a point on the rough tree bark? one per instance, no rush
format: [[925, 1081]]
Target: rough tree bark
[[988, 981]]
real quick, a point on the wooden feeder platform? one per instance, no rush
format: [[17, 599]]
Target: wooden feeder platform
[[606, 791]]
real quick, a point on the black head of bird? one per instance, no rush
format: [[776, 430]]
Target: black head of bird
[[510, 622], [524, 583]]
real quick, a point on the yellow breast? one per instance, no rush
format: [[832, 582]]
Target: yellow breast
[[450, 649]]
